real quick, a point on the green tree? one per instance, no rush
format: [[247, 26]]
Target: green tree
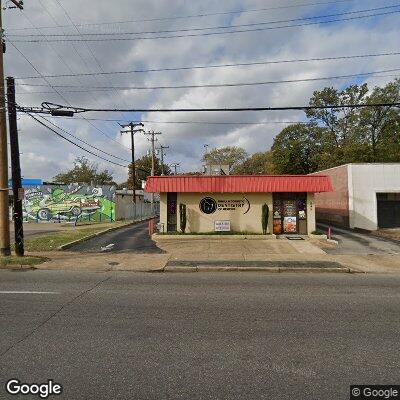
[[257, 163], [379, 126], [87, 172], [339, 140], [296, 148], [229, 155], [143, 170]]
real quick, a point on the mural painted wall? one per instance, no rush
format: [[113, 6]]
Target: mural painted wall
[[69, 202]]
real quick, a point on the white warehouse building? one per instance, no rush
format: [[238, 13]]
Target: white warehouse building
[[365, 196]]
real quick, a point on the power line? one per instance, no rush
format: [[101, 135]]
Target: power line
[[84, 62], [47, 107], [86, 44], [211, 85], [204, 34], [243, 64], [193, 16], [202, 28], [83, 141], [58, 92], [72, 142], [192, 122]]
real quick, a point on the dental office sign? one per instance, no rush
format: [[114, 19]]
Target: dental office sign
[[208, 205]]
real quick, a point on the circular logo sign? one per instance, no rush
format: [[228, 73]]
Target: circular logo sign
[[208, 205]]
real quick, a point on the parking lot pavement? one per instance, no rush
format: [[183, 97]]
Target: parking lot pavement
[[118, 335], [351, 242], [133, 238]]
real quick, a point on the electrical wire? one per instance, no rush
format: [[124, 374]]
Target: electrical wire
[[193, 16], [87, 46], [85, 63], [203, 34], [190, 122], [203, 28], [72, 142], [47, 107], [243, 64], [83, 141], [211, 85]]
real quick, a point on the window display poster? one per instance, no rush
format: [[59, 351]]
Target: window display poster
[[289, 225], [277, 226], [289, 208]]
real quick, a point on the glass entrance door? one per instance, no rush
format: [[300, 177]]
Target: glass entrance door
[[289, 216], [290, 213]]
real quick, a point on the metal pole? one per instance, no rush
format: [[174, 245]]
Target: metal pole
[[4, 212], [16, 169]]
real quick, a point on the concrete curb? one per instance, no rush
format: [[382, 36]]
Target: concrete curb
[[313, 236], [256, 266], [84, 239], [333, 241], [254, 269], [17, 268], [158, 237]]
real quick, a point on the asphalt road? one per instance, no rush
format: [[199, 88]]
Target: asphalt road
[[199, 336], [134, 238], [360, 243]]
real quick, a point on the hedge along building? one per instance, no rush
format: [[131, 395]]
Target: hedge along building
[[234, 202]]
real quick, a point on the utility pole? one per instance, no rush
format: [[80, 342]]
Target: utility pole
[[4, 213], [153, 139], [4, 216], [132, 131], [175, 166], [162, 154], [15, 169]]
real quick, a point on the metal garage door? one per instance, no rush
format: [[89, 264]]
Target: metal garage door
[[388, 210]]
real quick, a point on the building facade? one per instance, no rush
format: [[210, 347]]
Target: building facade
[[365, 196], [234, 203]]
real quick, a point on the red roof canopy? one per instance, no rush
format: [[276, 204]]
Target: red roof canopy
[[238, 184]]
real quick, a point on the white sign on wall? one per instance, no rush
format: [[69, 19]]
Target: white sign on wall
[[222, 226]]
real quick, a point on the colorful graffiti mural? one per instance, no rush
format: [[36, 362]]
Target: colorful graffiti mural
[[69, 202]]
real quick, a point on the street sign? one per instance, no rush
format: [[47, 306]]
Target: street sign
[[21, 194]]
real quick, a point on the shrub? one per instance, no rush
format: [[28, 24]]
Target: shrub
[[182, 216], [264, 218]]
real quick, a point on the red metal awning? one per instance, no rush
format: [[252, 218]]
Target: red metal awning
[[238, 184]]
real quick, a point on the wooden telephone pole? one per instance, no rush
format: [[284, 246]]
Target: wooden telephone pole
[[4, 212], [153, 140], [132, 131], [162, 154]]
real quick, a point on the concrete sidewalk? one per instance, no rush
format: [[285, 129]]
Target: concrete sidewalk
[[72, 261], [210, 252]]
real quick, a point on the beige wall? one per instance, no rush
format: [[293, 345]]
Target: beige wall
[[163, 210], [197, 221], [311, 224]]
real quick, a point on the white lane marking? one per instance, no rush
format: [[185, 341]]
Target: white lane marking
[[25, 292]]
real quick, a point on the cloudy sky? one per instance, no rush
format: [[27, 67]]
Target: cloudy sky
[[45, 52]]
